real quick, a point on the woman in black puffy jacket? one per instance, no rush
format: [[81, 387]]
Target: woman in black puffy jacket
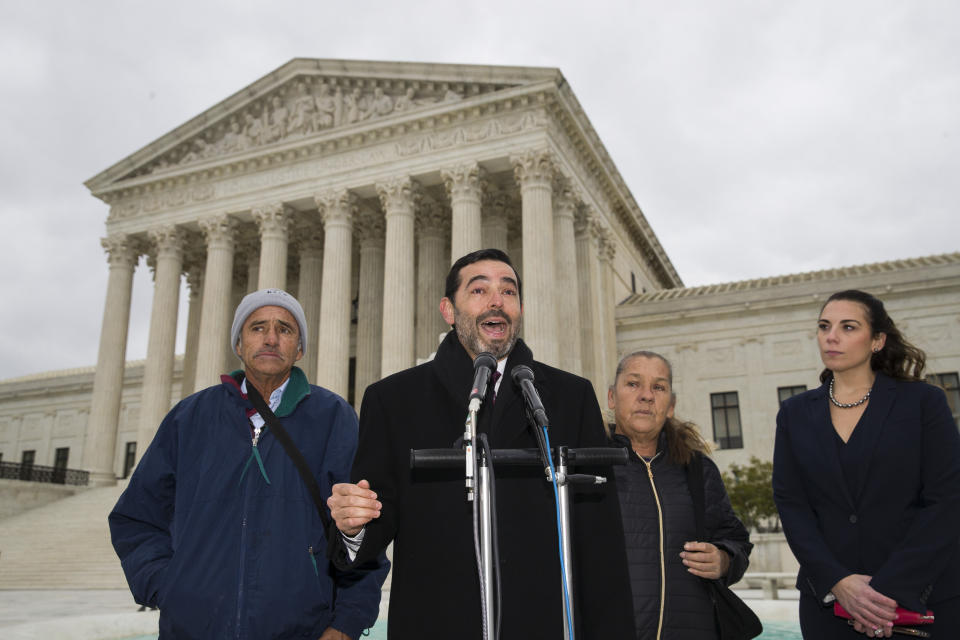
[[668, 565]]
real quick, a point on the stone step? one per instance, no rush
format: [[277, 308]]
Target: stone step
[[62, 545]]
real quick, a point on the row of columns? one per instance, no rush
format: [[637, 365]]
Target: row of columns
[[404, 255]]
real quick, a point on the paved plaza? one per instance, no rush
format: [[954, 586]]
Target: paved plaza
[[111, 614]]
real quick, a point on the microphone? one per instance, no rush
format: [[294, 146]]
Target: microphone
[[483, 367], [523, 377]]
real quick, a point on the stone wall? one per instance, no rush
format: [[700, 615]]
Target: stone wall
[[17, 496]]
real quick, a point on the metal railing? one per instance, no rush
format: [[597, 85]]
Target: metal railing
[[40, 473]]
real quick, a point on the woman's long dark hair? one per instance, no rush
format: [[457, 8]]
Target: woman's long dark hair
[[898, 358], [683, 438]]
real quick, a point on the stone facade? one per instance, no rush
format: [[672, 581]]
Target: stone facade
[[50, 411], [366, 178], [353, 185], [757, 337]]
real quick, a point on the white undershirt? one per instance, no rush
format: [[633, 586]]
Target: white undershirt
[[256, 420]]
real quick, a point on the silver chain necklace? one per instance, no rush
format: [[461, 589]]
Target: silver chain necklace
[[847, 405]]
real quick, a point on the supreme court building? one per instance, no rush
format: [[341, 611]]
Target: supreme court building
[[353, 185]]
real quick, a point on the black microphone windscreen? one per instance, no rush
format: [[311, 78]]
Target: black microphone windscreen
[[521, 372], [484, 359]]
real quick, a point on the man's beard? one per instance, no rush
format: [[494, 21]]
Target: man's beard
[[468, 330]]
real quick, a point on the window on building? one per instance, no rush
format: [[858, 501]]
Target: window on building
[[60, 457], [129, 458], [788, 392], [950, 383], [726, 420], [26, 464]]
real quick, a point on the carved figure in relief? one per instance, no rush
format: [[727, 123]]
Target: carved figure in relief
[[326, 107], [337, 107], [381, 105], [199, 149], [451, 96], [253, 129], [277, 128], [234, 139], [354, 105], [406, 101], [302, 117]]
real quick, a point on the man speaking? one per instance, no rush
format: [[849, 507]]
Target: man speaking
[[435, 590]]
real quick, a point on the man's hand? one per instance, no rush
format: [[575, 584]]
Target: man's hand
[[705, 560], [873, 613], [352, 506], [333, 634]]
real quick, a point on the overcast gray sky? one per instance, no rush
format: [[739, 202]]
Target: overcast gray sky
[[760, 138]]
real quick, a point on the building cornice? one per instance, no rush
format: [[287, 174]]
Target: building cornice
[[886, 279], [434, 79], [597, 160], [490, 95]]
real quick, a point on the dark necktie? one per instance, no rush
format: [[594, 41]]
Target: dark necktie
[[493, 385]]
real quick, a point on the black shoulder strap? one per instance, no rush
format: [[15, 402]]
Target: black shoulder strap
[[298, 460], [694, 471]]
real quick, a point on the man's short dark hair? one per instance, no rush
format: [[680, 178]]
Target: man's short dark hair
[[453, 277]]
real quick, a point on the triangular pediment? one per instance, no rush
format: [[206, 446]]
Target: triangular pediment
[[310, 97]]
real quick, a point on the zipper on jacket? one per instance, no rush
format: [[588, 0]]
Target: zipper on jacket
[[241, 578], [240, 632], [663, 567], [255, 455], [313, 560]]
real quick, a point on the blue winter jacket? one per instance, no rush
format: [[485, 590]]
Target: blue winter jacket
[[229, 544]]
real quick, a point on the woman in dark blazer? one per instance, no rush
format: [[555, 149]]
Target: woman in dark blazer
[[867, 480]]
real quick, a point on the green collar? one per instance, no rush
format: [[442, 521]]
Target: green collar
[[297, 389]]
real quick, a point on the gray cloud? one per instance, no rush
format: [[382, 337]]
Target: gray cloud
[[759, 138]]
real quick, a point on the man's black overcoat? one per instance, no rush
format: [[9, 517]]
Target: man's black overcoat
[[435, 590]]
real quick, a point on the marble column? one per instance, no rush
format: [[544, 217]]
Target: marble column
[[337, 209], [607, 252], [494, 226], [189, 375], [220, 233], [167, 244], [101, 436], [310, 240], [399, 200], [534, 172], [370, 231], [274, 222], [515, 239], [593, 351], [249, 252], [567, 285], [465, 184], [433, 230], [231, 361]]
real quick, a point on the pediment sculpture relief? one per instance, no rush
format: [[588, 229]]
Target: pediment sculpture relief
[[300, 108]]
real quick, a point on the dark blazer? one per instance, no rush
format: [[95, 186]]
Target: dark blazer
[[435, 589], [901, 524]]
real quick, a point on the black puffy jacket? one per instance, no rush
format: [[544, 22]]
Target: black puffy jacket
[[687, 611]]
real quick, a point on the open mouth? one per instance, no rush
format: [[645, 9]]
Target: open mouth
[[494, 327]]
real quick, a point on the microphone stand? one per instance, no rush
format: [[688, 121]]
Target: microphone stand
[[478, 487], [567, 457]]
